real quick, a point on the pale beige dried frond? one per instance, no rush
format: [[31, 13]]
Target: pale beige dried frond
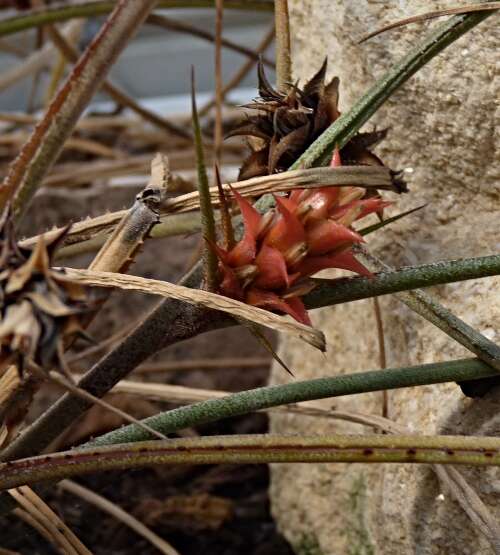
[[201, 298], [377, 177]]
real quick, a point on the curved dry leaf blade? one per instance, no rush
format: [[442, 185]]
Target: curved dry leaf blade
[[480, 7], [55, 530], [200, 298]]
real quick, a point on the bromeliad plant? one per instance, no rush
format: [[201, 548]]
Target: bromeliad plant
[[311, 229], [287, 123], [269, 267]]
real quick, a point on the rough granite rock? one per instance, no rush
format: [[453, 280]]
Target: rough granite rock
[[442, 130]]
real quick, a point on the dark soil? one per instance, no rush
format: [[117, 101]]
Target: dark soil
[[221, 509]]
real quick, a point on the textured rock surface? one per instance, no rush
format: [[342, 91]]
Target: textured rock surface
[[441, 130]]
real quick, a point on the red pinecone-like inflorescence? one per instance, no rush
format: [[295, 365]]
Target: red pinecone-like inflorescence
[[309, 231]]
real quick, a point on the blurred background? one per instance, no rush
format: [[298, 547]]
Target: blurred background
[[155, 66]]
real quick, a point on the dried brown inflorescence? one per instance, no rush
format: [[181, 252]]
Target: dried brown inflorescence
[[40, 307], [286, 124]]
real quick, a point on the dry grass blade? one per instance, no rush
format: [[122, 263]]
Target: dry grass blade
[[364, 176], [85, 395], [478, 7], [17, 138], [81, 173], [200, 298], [117, 512], [43, 518], [89, 123], [27, 517], [44, 145], [203, 364]]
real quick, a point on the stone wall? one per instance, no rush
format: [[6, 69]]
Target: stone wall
[[442, 131]]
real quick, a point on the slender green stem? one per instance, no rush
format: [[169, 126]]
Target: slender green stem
[[424, 305], [321, 388], [350, 122], [39, 17], [115, 365], [255, 449], [206, 208], [379, 225], [336, 291]]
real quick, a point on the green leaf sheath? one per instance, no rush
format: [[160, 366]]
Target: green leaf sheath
[[321, 388]]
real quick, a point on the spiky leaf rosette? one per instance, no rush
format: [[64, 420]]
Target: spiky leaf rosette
[[310, 230], [285, 125], [39, 305]]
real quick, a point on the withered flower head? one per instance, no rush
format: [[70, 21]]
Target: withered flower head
[[39, 305], [285, 125]]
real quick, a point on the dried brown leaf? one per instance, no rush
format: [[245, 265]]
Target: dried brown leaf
[[201, 298], [376, 177]]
